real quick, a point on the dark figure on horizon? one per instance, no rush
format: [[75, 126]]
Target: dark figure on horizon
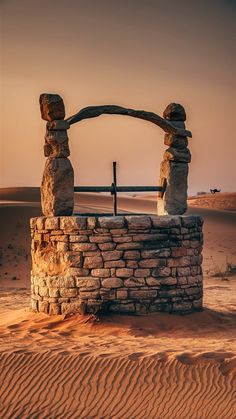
[[215, 190]]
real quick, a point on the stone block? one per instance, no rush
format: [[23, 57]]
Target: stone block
[[178, 155], [92, 253], [33, 221], [73, 223], [182, 307], [182, 280], [178, 251], [112, 255], [62, 246], [175, 197], [73, 259], [153, 282], [155, 253], [181, 261], [197, 304], [142, 294], [54, 292], [78, 271], [151, 263], [149, 237], [68, 292], [122, 294], [59, 238], [138, 222], [54, 309], [124, 272], [115, 264], [111, 222], [165, 221], [161, 271], [168, 281], [134, 282], [58, 125], [193, 291], [185, 271], [141, 273], [176, 141], [129, 246], [100, 238], [174, 112], [131, 254], [106, 246], [192, 280], [52, 223], [83, 247], [78, 238], [100, 230], [107, 294], [34, 305], [43, 307], [112, 283], [196, 260], [88, 282], [93, 262], [119, 231], [126, 307], [51, 107], [191, 221], [66, 282], [122, 239], [89, 294], [91, 223], [57, 188], [131, 264], [101, 273], [43, 291]]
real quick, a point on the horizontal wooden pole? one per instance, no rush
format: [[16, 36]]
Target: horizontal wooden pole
[[118, 189]]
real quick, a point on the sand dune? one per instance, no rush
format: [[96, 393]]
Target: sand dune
[[153, 366]]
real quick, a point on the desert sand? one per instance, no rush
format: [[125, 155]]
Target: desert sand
[[152, 366]]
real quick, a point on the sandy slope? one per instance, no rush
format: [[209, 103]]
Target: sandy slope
[[155, 366]]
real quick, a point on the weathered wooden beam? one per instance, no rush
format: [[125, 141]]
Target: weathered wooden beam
[[94, 111]]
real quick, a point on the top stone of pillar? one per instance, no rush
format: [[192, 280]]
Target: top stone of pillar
[[175, 112], [52, 107]]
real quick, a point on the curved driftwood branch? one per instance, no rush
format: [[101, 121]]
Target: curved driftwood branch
[[94, 111]]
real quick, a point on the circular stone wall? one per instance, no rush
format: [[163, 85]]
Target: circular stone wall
[[124, 264]]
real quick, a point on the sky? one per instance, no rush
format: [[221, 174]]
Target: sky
[[133, 53]]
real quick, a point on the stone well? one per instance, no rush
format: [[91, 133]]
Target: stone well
[[124, 264]]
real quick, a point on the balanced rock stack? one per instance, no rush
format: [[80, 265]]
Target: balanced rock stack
[[174, 167], [57, 188]]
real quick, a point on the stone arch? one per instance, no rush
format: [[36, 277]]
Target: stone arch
[[58, 180], [165, 124]]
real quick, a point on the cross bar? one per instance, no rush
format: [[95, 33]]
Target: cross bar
[[118, 189], [113, 189]]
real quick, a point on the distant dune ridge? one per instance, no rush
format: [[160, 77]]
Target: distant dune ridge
[[156, 366]]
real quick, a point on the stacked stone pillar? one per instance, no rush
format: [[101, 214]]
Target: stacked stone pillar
[[174, 167], [57, 188]]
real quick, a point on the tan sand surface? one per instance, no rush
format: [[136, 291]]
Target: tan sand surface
[[153, 366]]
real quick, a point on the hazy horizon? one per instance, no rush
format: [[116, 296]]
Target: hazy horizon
[[137, 55]]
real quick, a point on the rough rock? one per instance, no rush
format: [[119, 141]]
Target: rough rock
[[175, 111], [175, 141], [57, 188], [177, 155], [175, 197], [51, 106]]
